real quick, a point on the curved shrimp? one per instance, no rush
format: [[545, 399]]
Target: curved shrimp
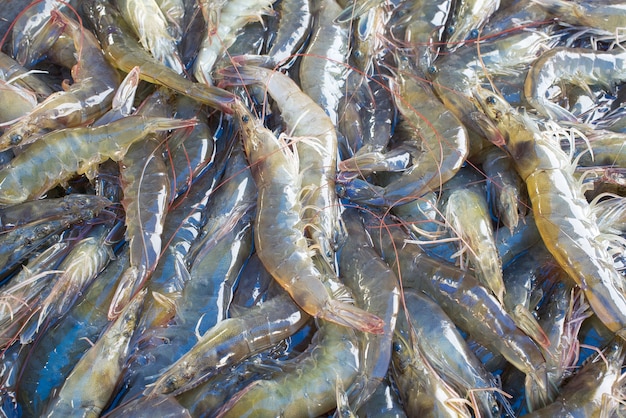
[[562, 214], [279, 235], [577, 66], [91, 95], [442, 138], [124, 52], [64, 153], [317, 153], [229, 342]]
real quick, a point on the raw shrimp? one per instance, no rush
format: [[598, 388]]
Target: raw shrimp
[[562, 214], [323, 68], [150, 25], [595, 391], [146, 186], [83, 206], [577, 66], [62, 154], [95, 82], [231, 341], [608, 18], [87, 389], [308, 387], [123, 51], [82, 265], [462, 297], [295, 19], [316, 150], [377, 289], [440, 134], [233, 16], [279, 235], [467, 19], [10, 70]]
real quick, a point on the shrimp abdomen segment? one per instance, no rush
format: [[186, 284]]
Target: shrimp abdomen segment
[[571, 235]]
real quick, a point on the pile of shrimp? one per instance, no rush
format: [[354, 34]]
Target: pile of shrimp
[[303, 208]]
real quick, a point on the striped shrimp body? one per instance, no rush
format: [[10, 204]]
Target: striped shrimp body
[[62, 154], [563, 216], [317, 154], [279, 235]]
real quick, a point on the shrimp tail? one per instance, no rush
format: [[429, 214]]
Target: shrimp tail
[[539, 391], [350, 316]]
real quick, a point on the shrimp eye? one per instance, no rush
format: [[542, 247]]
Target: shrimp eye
[[15, 139], [432, 69], [450, 30], [397, 347], [358, 54], [245, 119], [473, 34], [491, 100]]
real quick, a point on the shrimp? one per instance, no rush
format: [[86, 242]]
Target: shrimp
[[376, 288], [295, 22], [444, 144], [62, 154], [146, 186], [81, 266], [87, 389], [229, 342], [467, 19], [123, 51], [279, 234], [577, 66], [22, 293], [468, 216], [604, 17], [308, 387], [317, 154], [82, 206], [326, 53], [150, 25], [451, 288], [12, 71], [450, 357], [422, 390], [95, 82], [233, 16], [594, 391], [562, 214], [504, 186]]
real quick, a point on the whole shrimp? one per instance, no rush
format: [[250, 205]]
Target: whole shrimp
[[279, 235], [562, 214], [64, 153], [577, 66], [95, 82], [125, 53], [316, 150]]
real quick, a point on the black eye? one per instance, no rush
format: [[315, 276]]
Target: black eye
[[450, 30], [15, 139], [491, 100], [473, 34], [245, 119], [432, 69], [397, 347]]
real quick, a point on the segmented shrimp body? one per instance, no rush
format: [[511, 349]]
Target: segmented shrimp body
[[279, 236], [562, 214]]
